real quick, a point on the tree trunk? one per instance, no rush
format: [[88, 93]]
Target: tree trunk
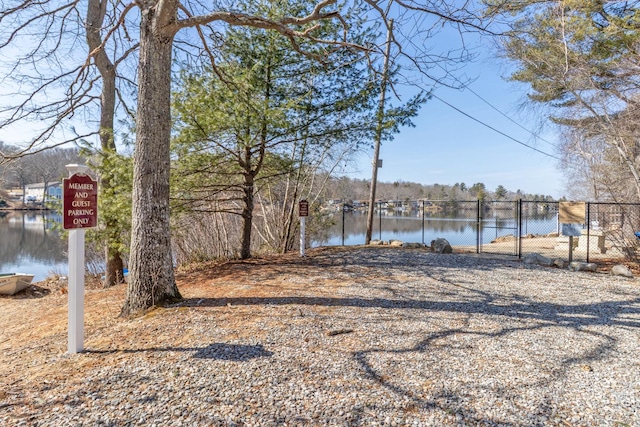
[[252, 171], [95, 21], [44, 192], [151, 278], [115, 267], [629, 163], [247, 216], [114, 272]]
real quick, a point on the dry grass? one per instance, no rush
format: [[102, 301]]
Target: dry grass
[[34, 322]]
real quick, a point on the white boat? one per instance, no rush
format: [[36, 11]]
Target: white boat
[[11, 283]]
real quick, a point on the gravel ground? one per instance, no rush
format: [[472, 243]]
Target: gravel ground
[[366, 336]]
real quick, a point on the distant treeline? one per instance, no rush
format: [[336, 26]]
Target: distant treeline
[[350, 189]]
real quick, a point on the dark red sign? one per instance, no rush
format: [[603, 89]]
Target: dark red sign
[[80, 202], [303, 208]]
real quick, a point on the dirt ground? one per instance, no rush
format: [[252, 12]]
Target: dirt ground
[[34, 322]]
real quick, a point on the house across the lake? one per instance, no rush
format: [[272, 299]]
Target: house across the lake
[[35, 192]]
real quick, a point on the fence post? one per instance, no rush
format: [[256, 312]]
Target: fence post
[[380, 219], [343, 206], [519, 230], [478, 226], [588, 227], [423, 222]]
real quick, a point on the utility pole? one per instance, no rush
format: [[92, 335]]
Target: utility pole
[[378, 136]]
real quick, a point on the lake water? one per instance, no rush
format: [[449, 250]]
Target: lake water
[[459, 230], [29, 244]]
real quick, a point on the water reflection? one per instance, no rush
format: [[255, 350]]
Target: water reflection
[[459, 228], [29, 244]]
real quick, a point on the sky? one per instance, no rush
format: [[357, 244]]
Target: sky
[[447, 147]]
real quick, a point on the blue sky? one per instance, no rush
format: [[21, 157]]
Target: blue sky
[[446, 147]]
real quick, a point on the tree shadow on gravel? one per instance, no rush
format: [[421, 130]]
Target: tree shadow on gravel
[[447, 400], [521, 315], [346, 261], [232, 352], [215, 351], [354, 262], [579, 315]]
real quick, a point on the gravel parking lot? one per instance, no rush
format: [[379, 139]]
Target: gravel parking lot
[[345, 336]]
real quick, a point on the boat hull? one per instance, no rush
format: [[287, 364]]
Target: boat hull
[[13, 283]]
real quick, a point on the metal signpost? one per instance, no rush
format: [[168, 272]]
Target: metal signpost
[[303, 212], [80, 211]]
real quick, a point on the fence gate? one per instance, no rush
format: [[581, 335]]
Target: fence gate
[[498, 227]]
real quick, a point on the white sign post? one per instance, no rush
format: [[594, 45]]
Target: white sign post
[[303, 220], [79, 212], [303, 212], [76, 291]]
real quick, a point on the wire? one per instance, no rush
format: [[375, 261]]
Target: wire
[[494, 129], [467, 87], [535, 135]]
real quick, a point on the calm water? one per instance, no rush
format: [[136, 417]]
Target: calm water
[[459, 230], [28, 244]]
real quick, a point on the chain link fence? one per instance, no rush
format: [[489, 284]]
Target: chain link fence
[[512, 228]]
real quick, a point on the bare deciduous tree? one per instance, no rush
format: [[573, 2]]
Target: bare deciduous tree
[[95, 22], [59, 85]]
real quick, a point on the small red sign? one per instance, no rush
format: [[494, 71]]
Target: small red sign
[[80, 202], [303, 208]]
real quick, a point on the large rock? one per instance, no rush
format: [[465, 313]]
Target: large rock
[[441, 246], [560, 263], [376, 242], [537, 259], [413, 245], [583, 266], [508, 238], [621, 270]]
